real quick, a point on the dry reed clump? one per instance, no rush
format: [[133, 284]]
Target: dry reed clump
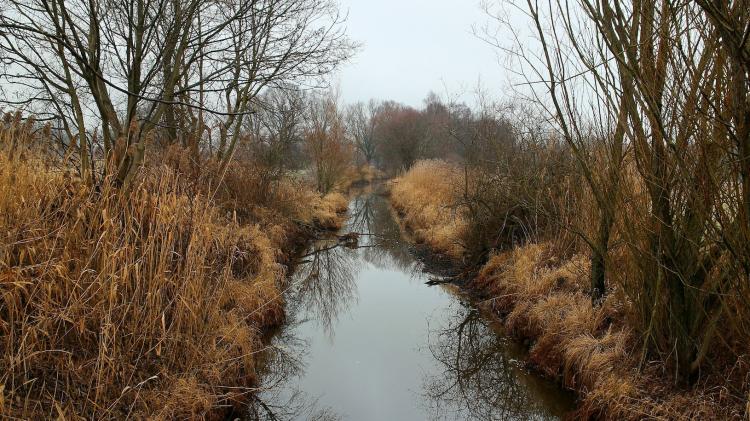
[[250, 192], [308, 208], [422, 196], [326, 211], [364, 174], [591, 349], [144, 303], [529, 272]]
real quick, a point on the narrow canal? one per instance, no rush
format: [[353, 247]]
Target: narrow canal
[[366, 339]]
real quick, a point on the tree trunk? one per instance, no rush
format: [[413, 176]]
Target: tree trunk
[[599, 260]]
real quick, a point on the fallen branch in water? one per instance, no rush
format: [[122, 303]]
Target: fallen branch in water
[[440, 281]]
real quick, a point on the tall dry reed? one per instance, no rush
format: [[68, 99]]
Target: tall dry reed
[[140, 303], [425, 197]]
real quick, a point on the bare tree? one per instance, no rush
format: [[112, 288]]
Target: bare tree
[[326, 143], [659, 87], [402, 136], [573, 68], [135, 70], [361, 122], [275, 130]]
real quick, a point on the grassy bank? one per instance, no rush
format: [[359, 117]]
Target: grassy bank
[[541, 292], [423, 200], [145, 302]]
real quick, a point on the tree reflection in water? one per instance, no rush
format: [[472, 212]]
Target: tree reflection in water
[[482, 378], [323, 287], [383, 246], [319, 290], [479, 379]]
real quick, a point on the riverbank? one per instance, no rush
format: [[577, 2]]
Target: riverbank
[[541, 298], [142, 302], [323, 362]]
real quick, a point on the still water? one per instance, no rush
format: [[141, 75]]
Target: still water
[[366, 339]]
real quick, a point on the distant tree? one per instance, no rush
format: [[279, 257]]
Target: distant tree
[[402, 136], [326, 143], [437, 117], [361, 121]]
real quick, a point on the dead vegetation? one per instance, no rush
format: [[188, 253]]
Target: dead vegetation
[[542, 293], [146, 302], [423, 197], [592, 349]]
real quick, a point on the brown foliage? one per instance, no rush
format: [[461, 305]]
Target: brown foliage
[[145, 302], [542, 291]]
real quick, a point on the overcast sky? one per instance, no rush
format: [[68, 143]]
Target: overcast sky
[[410, 47]]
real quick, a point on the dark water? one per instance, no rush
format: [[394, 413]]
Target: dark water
[[366, 339]]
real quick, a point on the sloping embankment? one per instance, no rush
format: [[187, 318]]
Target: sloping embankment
[[142, 303], [541, 300]]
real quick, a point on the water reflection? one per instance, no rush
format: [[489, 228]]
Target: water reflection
[[384, 246], [320, 289], [365, 339], [323, 287], [481, 377]]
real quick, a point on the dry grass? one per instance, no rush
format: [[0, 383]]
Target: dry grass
[[295, 201], [422, 197], [146, 303], [365, 174], [326, 211], [544, 300], [592, 350]]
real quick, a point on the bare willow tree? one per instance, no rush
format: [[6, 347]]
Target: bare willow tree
[[573, 68], [326, 143], [271, 143], [669, 86], [115, 74], [682, 83], [275, 129]]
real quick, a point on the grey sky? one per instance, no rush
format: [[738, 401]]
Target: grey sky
[[413, 46]]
